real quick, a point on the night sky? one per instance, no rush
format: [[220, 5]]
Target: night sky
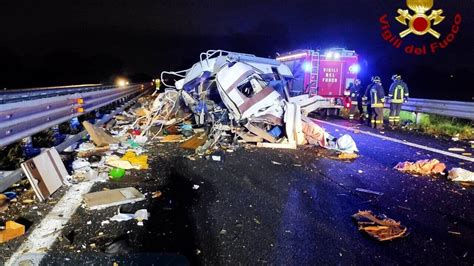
[[45, 43]]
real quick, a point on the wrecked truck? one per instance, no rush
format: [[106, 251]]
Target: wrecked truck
[[246, 96]]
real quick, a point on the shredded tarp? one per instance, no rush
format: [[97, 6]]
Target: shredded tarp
[[422, 167], [461, 175], [380, 228], [314, 134], [346, 144]]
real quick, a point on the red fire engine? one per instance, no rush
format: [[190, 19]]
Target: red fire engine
[[325, 73]]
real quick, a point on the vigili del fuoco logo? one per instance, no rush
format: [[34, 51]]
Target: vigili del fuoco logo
[[418, 20]]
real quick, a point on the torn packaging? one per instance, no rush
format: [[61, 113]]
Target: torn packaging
[[380, 228], [98, 135], [461, 175], [46, 173], [422, 167], [104, 199], [314, 134]]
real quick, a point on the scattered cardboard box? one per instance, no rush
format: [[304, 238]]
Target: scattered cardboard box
[[46, 173], [114, 197], [98, 135], [194, 142]]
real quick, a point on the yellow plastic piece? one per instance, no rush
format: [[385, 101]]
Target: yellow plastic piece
[[140, 162]]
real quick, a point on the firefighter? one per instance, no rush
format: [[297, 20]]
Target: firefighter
[[357, 93], [368, 115], [398, 94], [375, 96], [349, 92]]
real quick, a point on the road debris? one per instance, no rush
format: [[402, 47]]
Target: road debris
[[98, 135], [139, 215], [46, 173], [422, 167], [4, 202], [12, 230], [156, 194], [347, 156], [380, 228], [139, 162], [461, 175], [369, 191], [114, 197], [116, 174]]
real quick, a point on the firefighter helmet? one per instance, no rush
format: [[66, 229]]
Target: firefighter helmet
[[396, 77], [376, 79]]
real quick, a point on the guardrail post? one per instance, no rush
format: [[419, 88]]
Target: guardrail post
[[417, 118]]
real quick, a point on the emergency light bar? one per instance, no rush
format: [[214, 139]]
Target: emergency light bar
[[292, 56]]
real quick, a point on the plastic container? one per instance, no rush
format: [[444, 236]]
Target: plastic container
[[116, 174]]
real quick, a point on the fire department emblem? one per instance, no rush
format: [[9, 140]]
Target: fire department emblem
[[420, 23]]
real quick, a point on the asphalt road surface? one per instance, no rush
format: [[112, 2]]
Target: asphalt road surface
[[262, 206]]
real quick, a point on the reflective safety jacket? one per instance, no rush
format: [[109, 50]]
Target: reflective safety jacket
[[398, 91], [375, 95]]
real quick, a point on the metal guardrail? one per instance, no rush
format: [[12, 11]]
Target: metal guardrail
[[464, 110], [15, 176], [10, 96], [22, 119]]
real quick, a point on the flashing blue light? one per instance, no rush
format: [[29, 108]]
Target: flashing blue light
[[337, 56], [355, 68], [329, 55], [307, 67]]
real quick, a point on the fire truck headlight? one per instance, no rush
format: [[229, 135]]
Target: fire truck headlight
[[307, 67], [354, 69]]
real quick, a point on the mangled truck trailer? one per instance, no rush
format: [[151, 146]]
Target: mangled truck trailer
[[245, 98]]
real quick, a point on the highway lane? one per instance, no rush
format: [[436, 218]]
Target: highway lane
[[285, 207]]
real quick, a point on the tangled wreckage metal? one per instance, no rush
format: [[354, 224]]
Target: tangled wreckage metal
[[240, 98]]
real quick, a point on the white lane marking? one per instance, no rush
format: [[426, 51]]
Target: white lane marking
[[447, 153], [43, 236]]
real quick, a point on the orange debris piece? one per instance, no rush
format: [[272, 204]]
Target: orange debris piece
[[422, 167], [12, 230]]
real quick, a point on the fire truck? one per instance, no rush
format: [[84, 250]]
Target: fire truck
[[325, 73]]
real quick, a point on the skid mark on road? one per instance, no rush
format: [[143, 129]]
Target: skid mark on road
[[407, 143]]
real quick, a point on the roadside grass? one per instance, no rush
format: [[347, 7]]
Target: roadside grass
[[433, 124], [440, 125]]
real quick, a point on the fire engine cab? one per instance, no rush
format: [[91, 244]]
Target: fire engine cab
[[327, 73]]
